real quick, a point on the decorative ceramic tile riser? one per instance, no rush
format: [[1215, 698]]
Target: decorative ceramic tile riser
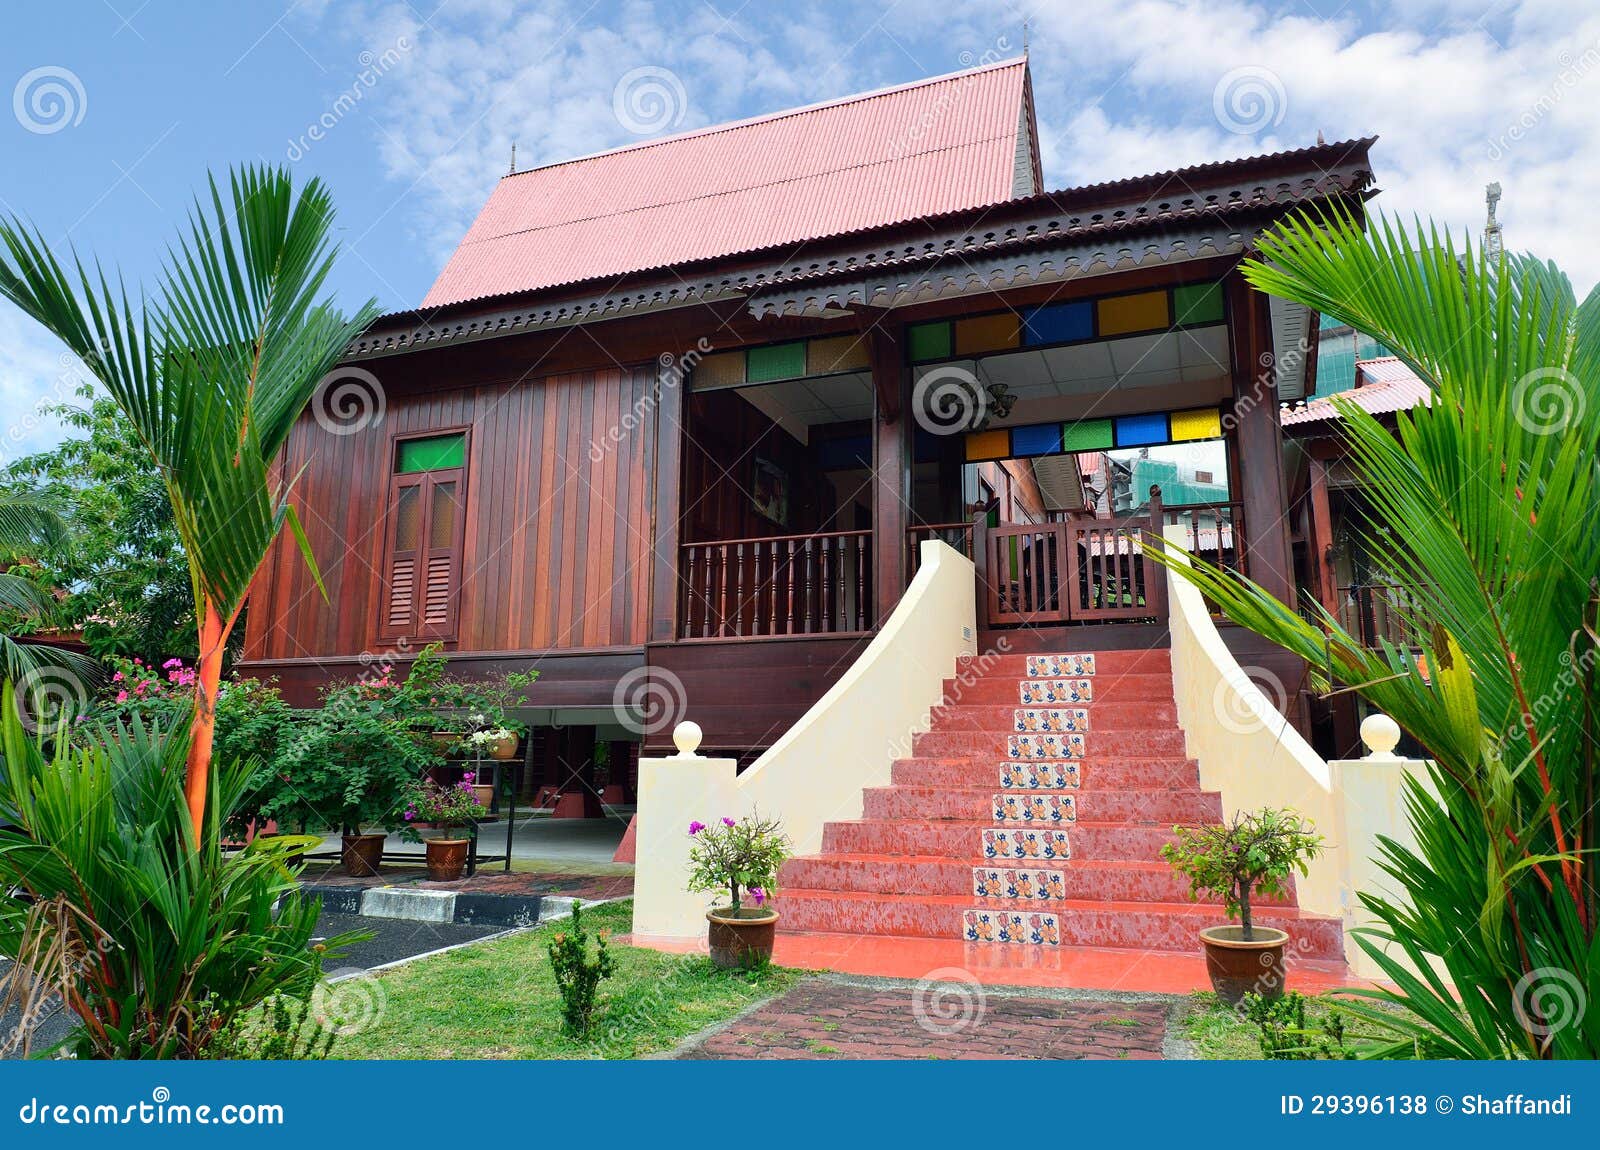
[[1026, 843], [1035, 810], [1039, 776], [1039, 885], [1059, 720], [1048, 691], [1027, 928], [1059, 666], [1045, 746]]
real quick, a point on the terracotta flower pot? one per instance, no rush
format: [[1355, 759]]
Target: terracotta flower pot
[[444, 740], [1240, 966], [741, 942], [504, 749], [484, 792], [362, 854], [446, 859]]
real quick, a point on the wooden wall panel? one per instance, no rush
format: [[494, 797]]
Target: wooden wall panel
[[558, 523]]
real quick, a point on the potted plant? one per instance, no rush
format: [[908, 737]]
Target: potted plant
[[441, 817], [740, 857], [347, 766], [494, 742], [1257, 851]]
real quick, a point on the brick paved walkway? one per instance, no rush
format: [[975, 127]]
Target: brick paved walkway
[[823, 1018]]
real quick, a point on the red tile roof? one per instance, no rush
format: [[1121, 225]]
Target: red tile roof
[[940, 145], [1383, 385]]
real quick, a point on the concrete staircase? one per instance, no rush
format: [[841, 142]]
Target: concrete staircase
[[1032, 813]]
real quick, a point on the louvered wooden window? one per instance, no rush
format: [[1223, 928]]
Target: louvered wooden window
[[422, 550]]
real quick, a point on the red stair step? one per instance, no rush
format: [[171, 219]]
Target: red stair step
[[963, 840], [1157, 661], [1101, 716], [1109, 744], [1106, 688], [1159, 806], [1093, 773], [1134, 925]]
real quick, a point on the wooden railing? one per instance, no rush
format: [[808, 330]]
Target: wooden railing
[[781, 585], [1078, 569], [956, 535], [1375, 611], [1216, 532]]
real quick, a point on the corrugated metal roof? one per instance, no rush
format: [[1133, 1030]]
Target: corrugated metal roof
[[939, 145], [1383, 385]]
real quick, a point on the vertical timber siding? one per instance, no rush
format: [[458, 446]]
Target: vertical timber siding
[[558, 520]]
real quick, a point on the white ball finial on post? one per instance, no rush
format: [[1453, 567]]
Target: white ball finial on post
[[686, 737], [1381, 734]]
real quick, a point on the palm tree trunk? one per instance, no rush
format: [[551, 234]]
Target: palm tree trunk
[[213, 640]]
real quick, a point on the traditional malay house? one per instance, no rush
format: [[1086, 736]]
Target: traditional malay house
[[675, 419]]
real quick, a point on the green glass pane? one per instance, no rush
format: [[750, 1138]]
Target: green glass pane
[[781, 361], [1088, 435], [928, 341], [1197, 303], [433, 454]]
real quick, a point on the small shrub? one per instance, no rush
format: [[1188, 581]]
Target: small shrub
[[578, 976], [1258, 851], [1284, 1036], [283, 1030], [740, 856]]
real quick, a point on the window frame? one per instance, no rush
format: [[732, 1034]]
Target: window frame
[[425, 482]]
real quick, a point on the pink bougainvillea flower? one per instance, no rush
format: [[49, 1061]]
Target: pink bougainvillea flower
[[696, 827], [727, 822], [122, 696], [758, 894]]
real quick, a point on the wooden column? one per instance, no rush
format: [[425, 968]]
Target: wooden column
[[891, 467], [1258, 442], [667, 508], [1319, 532]]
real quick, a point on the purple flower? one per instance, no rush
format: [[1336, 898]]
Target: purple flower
[[758, 894], [727, 822], [696, 827]]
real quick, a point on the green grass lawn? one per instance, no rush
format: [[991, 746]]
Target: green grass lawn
[[1220, 1032], [498, 1000]]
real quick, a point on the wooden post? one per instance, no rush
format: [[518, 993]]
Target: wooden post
[[1155, 575], [1320, 534], [1258, 442], [891, 468], [667, 507], [980, 563]]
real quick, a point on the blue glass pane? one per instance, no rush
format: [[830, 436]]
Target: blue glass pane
[[1138, 430], [1058, 323], [1039, 439]]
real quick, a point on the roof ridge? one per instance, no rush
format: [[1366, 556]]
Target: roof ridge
[[767, 117], [654, 204]]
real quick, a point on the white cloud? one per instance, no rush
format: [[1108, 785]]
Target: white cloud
[[1461, 92], [35, 370]]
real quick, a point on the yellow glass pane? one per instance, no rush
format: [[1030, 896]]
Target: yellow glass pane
[[1202, 423], [442, 525], [836, 353], [1122, 314], [989, 444], [407, 518], [719, 370], [988, 333]]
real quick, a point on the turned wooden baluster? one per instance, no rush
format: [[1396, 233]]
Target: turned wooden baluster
[[808, 586], [788, 623], [861, 583]]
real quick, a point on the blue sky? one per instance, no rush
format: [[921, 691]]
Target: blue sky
[[119, 106]]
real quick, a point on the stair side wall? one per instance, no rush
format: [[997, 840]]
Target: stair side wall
[[816, 772]]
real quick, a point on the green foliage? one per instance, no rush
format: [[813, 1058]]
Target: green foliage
[[121, 565], [1495, 489], [32, 533], [1258, 850], [463, 706], [577, 975], [254, 722], [155, 945], [1284, 1036], [738, 855], [282, 1029]]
